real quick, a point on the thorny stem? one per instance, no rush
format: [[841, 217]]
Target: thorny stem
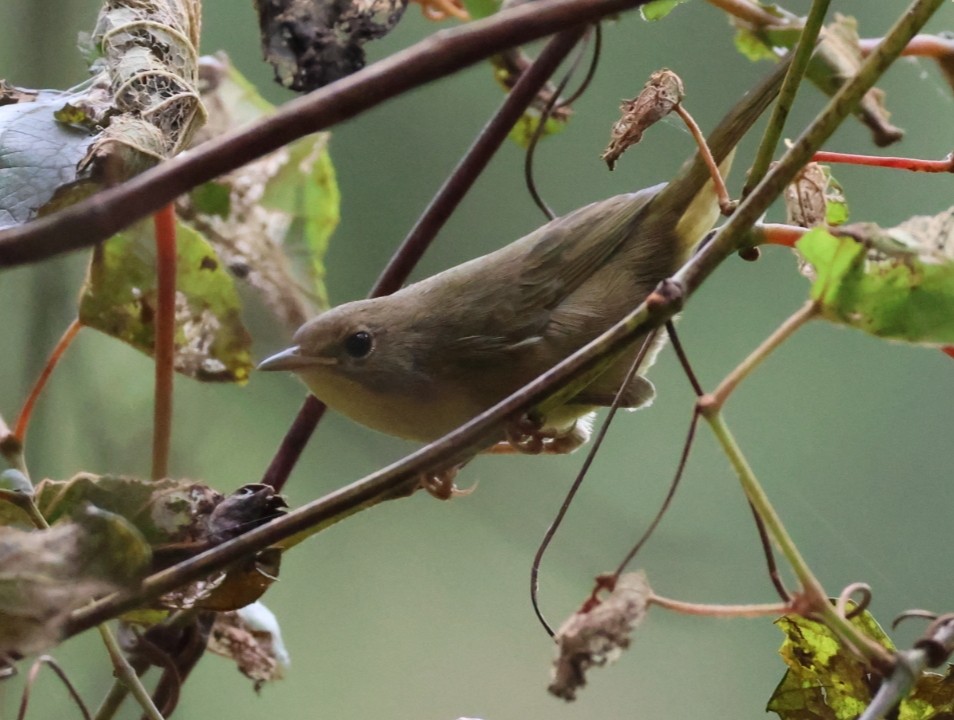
[[783, 332], [812, 590], [724, 611], [786, 96], [437, 56], [389, 482], [23, 420], [165, 339], [127, 674], [429, 224]]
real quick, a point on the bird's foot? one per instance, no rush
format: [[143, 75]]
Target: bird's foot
[[440, 484], [527, 435]]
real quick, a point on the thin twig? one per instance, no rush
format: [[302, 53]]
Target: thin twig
[[595, 445], [545, 114], [933, 46], [724, 611], [749, 12], [127, 674], [721, 192], [26, 412], [801, 56], [894, 163], [64, 678], [717, 398], [813, 594], [667, 501], [765, 541]]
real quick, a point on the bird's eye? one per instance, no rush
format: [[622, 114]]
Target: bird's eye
[[359, 344]]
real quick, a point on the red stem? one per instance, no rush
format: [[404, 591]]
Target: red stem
[[778, 234], [933, 46], [23, 421], [894, 163], [165, 224]]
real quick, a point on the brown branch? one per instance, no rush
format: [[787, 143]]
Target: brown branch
[[441, 54]]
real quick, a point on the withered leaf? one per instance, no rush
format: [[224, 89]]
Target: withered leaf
[[598, 635], [46, 574]]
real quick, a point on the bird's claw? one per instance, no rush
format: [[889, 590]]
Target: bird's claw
[[441, 484], [527, 435]]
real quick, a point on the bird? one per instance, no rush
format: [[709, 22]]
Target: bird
[[426, 359]]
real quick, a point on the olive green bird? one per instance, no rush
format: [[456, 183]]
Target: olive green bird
[[428, 358]]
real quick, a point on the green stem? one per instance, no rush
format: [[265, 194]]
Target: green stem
[[786, 96], [723, 611], [111, 703], [815, 594], [717, 398], [127, 674]]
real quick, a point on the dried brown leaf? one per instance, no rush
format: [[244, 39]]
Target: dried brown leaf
[[598, 635], [659, 97]]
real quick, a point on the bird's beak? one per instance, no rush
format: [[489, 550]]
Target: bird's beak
[[292, 359]]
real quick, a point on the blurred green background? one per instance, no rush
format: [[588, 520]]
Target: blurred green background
[[419, 609]]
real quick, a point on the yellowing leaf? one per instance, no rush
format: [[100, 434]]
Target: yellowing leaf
[[119, 299]]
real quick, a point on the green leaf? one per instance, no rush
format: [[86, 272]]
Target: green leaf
[[478, 9], [933, 697], [119, 299], [904, 291], [765, 43], [212, 198], [658, 9], [523, 130], [305, 190]]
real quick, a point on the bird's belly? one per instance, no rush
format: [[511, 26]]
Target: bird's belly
[[421, 416]]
